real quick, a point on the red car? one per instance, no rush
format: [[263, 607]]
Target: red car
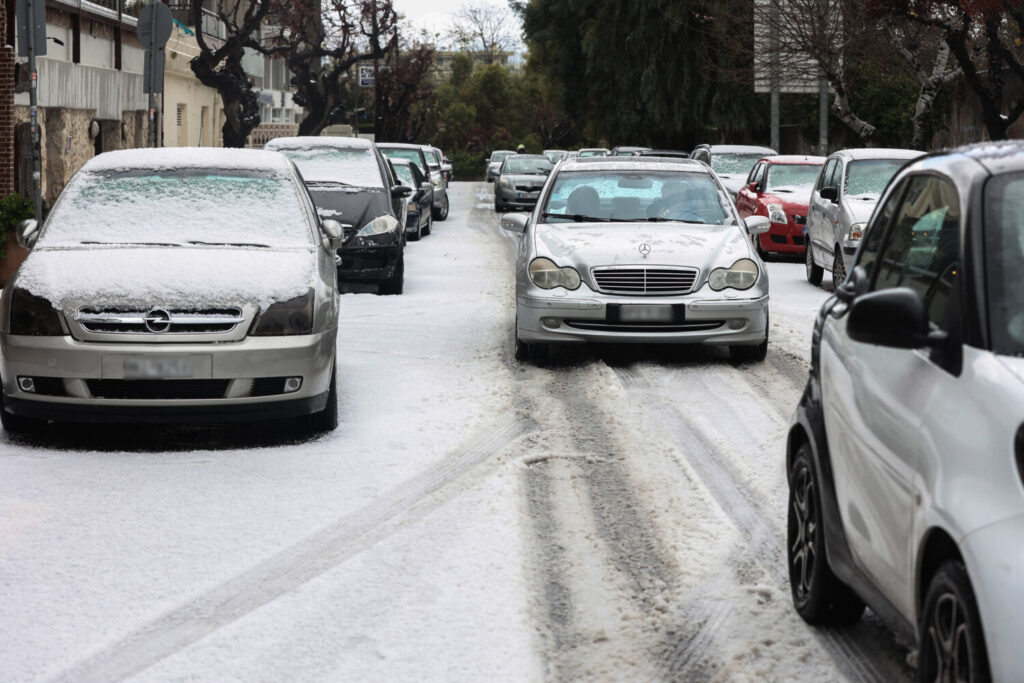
[[779, 187]]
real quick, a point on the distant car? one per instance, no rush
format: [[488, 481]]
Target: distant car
[[841, 203], [905, 459], [779, 187], [351, 182], [627, 151], [638, 251], [439, 174], [732, 163], [494, 163], [419, 220], [422, 156], [520, 181], [147, 297], [555, 155], [594, 152], [663, 153]]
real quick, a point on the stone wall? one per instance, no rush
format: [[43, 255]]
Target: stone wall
[[6, 106]]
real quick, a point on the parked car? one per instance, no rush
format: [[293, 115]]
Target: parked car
[[520, 180], [495, 161], [439, 173], [664, 153], [422, 156], [732, 163], [625, 151], [555, 155], [779, 187], [594, 152], [351, 182], [638, 250], [447, 170], [841, 203], [906, 456], [144, 298], [419, 219]]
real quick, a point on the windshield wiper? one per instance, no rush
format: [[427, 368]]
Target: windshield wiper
[[578, 217], [132, 244], [660, 219], [229, 244]]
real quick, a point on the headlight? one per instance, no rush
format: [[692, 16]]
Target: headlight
[[379, 226], [546, 274], [34, 315], [437, 181], [740, 275], [283, 318], [857, 231], [504, 182], [776, 214]]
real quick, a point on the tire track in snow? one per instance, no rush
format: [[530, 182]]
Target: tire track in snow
[[292, 567], [765, 541]]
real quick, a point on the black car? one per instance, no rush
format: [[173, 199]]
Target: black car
[[420, 219], [352, 183]]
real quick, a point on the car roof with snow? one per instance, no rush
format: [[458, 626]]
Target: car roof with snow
[[858, 153], [631, 164], [401, 145], [312, 141], [740, 149], [188, 157], [798, 159]]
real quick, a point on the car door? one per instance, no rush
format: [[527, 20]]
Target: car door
[[746, 199], [423, 198], [875, 398], [819, 222]]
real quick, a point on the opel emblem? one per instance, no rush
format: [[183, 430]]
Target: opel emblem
[[645, 249], [158, 320]]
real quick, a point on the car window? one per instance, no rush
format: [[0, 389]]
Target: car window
[[733, 163], [755, 173], [527, 166], [1004, 252], [414, 155], [922, 250], [826, 175], [406, 173], [876, 230], [867, 178]]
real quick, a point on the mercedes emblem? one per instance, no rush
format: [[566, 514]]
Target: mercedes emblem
[[645, 249]]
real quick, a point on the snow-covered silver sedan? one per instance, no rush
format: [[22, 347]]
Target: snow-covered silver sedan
[[174, 286], [638, 250]]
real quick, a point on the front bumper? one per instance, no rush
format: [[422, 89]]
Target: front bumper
[[585, 316], [87, 381], [515, 198], [369, 263], [784, 238]]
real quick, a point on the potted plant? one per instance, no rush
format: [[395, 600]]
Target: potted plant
[[14, 208]]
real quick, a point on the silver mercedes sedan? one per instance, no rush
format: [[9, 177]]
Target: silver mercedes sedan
[[174, 285], [638, 250]]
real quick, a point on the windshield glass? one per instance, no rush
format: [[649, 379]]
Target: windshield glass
[[734, 163], [867, 178], [179, 207], [792, 177], [413, 155], [356, 167], [593, 153], [636, 196], [1004, 252], [527, 166], [499, 156]]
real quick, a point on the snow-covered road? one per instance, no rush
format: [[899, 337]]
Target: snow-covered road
[[618, 514]]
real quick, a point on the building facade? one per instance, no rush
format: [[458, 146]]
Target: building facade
[[6, 97]]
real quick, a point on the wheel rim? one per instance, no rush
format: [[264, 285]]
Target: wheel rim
[[444, 206], [948, 641], [803, 527], [838, 269], [808, 261]]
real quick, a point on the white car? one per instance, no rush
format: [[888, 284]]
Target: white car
[[906, 456], [638, 250]]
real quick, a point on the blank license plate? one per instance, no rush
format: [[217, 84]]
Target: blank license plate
[[645, 313], [152, 368]]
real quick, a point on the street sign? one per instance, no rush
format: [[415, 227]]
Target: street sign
[[153, 76], [155, 23], [366, 77], [38, 22]]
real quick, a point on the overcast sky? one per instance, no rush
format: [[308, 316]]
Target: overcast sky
[[434, 15]]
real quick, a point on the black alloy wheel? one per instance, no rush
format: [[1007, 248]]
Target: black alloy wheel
[[818, 596], [838, 268], [952, 641], [814, 271]]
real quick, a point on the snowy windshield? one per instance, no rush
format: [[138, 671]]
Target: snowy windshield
[[413, 155], [528, 166], [187, 206], [869, 177], [796, 178], [357, 166], [1004, 236], [686, 197], [734, 163]]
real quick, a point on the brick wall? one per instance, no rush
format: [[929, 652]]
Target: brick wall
[[6, 105]]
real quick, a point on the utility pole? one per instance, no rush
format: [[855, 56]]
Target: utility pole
[[154, 29], [773, 48]]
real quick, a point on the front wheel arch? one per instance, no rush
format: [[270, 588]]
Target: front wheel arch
[[937, 549]]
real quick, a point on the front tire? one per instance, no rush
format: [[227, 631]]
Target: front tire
[[395, 283], [525, 351], [441, 213], [814, 271], [752, 354], [818, 596], [325, 420], [952, 640], [838, 268]]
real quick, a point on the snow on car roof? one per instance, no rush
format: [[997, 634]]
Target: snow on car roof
[[314, 141], [794, 159], [187, 157], [741, 149], [878, 153], [631, 164]]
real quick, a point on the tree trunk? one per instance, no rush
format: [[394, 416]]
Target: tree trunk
[[241, 104], [921, 121], [841, 108]]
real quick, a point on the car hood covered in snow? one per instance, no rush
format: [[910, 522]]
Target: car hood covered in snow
[[355, 206], [167, 276]]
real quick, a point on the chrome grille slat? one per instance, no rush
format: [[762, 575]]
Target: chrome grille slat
[[644, 281], [178, 321]]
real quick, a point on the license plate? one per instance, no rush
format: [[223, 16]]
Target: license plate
[[645, 313], [153, 368]]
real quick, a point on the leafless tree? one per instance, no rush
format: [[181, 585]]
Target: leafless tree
[[484, 29]]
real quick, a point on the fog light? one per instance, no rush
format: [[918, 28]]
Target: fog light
[[736, 324], [292, 384], [551, 323], [27, 384]]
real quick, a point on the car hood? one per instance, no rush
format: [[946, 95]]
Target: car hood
[[526, 179], [180, 277], [585, 245], [860, 210], [355, 206], [791, 203]]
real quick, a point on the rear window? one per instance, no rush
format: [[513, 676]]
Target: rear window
[[414, 155], [734, 163], [357, 167]]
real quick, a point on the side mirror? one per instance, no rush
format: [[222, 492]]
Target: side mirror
[[891, 317], [334, 231], [426, 186], [401, 191], [514, 222], [829, 194], [757, 225], [446, 168], [26, 232], [753, 187]]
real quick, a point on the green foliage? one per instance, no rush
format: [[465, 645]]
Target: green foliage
[[13, 209]]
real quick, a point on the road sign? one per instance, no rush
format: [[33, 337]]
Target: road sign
[[38, 22], [366, 77], [155, 24]]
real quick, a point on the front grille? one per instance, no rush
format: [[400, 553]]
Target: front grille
[[49, 386], [157, 388], [528, 188], [645, 281], [798, 240], [606, 326], [348, 231], [158, 320]]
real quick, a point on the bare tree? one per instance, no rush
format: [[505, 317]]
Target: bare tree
[[484, 29], [406, 95]]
